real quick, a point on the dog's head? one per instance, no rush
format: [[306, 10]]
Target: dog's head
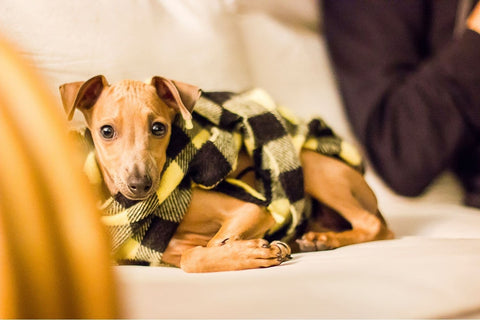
[[130, 124]]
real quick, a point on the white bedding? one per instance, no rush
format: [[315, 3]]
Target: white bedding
[[432, 268], [410, 277]]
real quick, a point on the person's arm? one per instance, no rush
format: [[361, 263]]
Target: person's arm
[[412, 111]]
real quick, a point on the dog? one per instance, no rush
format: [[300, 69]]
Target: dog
[[131, 124]]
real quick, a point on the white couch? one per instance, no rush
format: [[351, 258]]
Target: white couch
[[431, 269]]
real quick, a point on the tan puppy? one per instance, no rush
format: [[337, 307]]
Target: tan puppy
[[130, 123]]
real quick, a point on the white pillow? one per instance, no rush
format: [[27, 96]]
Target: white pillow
[[192, 41]]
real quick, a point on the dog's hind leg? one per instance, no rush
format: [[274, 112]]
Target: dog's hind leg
[[316, 241], [342, 189]]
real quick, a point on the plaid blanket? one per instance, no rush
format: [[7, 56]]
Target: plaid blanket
[[223, 123]]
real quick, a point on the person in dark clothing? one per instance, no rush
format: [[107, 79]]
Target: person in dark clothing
[[409, 75]]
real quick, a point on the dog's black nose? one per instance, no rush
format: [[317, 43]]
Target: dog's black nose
[[139, 186]]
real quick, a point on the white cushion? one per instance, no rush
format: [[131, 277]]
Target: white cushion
[[407, 278], [75, 40]]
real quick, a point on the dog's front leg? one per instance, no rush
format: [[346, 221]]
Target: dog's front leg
[[234, 255], [221, 233], [236, 243]]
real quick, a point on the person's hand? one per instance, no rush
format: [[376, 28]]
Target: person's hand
[[473, 20]]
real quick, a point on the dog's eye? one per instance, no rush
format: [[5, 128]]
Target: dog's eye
[[158, 129], [107, 132]]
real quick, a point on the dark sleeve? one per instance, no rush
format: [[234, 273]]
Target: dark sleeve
[[411, 110]]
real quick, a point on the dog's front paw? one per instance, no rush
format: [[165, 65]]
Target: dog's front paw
[[256, 253], [284, 250], [318, 241]]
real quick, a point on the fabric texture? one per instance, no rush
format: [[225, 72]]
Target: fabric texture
[[205, 156], [410, 87]]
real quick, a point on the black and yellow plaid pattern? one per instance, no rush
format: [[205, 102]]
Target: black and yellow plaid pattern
[[223, 124]]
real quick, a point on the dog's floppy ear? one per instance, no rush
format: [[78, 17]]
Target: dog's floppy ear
[[177, 95], [81, 95]]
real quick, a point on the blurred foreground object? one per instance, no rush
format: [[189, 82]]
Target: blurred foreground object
[[54, 254]]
